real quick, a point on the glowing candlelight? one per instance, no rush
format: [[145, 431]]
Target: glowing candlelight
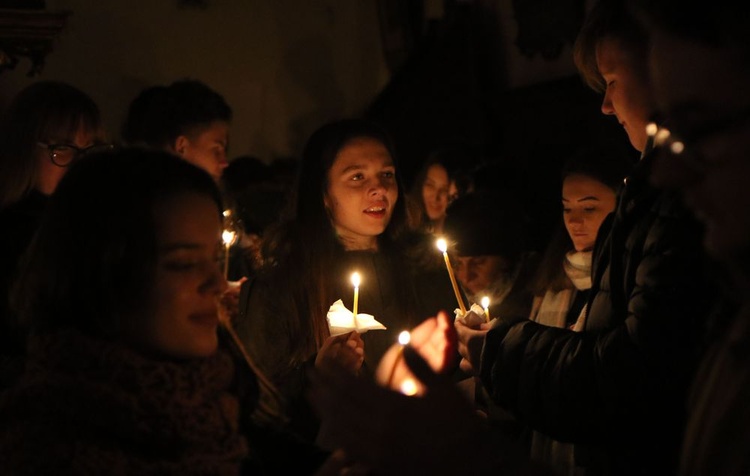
[[443, 247], [486, 306], [409, 387], [228, 238], [355, 281], [403, 338]]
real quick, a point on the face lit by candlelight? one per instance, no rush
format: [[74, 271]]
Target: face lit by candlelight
[[207, 148], [182, 316], [361, 193], [627, 95], [437, 191], [586, 203], [478, 273]]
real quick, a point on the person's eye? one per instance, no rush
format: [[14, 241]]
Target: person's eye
[[180, 265], [566, 210], [389, 174], [357, 177], [589, 209]]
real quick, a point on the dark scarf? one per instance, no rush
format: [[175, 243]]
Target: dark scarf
[[85, 406]]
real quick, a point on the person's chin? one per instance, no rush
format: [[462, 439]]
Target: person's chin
[[207, 346]]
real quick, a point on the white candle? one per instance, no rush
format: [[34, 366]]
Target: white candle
[[355, 281], [228, 238], [443, 247], [486, 306]]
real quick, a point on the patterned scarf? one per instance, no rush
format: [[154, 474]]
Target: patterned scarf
[[86, 406]]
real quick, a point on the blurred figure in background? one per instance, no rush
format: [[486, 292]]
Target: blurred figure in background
[[443, 177], [190, 119], [700, 69], [187, 118], [259, 196], [47, 126]]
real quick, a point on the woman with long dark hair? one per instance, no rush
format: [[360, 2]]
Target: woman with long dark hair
[[348, 215]]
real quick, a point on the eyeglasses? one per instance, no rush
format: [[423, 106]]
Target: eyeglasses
[[63, 155], [689, 147]]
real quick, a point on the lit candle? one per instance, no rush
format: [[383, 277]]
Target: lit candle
[[355, 282], [228, 238], [443, 246], [409, 387], [403, 338], [486, 306]]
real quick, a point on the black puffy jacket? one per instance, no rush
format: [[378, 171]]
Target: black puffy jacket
[[618, 389]]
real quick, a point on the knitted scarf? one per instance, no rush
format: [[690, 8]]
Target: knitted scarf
[[552, 308], [86, 406]]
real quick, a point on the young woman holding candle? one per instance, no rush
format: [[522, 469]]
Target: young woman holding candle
[[348, 215]]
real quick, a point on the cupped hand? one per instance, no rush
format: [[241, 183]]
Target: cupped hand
[[434, 339], [345, 350], [470, 343]]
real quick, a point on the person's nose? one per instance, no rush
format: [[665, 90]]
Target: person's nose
[[574, 219], [216, 282], [607, 107], [378, 188]]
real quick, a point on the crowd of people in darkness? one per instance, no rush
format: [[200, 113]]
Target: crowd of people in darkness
[[167, 309]]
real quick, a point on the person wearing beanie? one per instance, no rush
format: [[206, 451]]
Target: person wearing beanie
[[488, 231]]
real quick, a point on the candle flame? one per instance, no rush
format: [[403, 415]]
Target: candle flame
[[404, 337], [356, 279], [442, 245], [227, 212], [409, 387], [485, 302], [228, 237], [652, 129]]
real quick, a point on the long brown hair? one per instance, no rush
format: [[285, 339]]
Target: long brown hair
[[298, 251]]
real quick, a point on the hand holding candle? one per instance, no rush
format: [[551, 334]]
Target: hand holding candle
[[403, 339], [443, 247], [435, 341]]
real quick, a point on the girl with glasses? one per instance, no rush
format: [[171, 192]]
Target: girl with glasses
[[46, 126]]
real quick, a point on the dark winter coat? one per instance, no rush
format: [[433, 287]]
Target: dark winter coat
[[616, 390]]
